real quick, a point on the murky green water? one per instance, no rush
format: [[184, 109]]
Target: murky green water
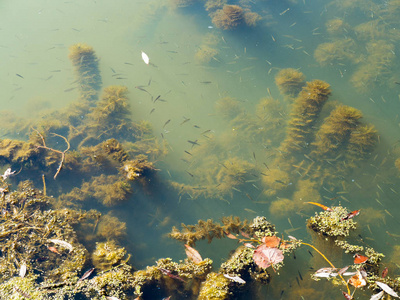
[[363, 72]]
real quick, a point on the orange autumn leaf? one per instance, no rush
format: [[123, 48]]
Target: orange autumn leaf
[[54, 250], [321, 205], [193, 254], [271, 241], [230, 235], [359, 259], [357, 280]]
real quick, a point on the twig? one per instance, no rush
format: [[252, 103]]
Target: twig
[[340, 275], [54, 150]]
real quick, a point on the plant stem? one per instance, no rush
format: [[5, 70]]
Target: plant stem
[[345, 282]]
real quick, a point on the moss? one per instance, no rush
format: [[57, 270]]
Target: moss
[[86, 66], [338, 52], [134, 169], [335, 132], [107, 254], [336, 27], [209, 230], [290, 81], [215, 287], [397, 164], [228, 107], [305, 111], [229, 17], [239, 263], [205, 54], [17, 288], [348, 248], [330, 223], [110, 227]]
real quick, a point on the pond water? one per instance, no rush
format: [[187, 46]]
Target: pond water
[[203, 94]]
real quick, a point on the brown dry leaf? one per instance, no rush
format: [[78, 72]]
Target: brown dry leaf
[[265, 256], [193, 254], [230, 235], [357, 280], [271, 241]]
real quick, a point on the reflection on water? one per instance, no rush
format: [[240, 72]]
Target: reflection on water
[[246, 108]]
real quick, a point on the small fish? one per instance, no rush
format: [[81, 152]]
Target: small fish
[[321, 205], [145, 58], [184, 121], [248, 196], [54, 250], [158, 97], [169, 274], [86, 275], [19, 75], [187, 152], [69, 90], [250, 210], [351, 215], [152, 111], [301, 277], [285, 11], [190, 174], [165, 124], [205, 82], [194, 142]]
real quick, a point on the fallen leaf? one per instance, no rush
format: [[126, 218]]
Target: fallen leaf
[[230, 235], [145, 58], [385, 272], [359, 259], [326, 273], [22, 271], [271, 241], [357, 280], [377, 296], [245, 234], [342, 270], [235, 278], [387, 289], [347, 296], [265, 256], [193, 254], [62, 243]]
